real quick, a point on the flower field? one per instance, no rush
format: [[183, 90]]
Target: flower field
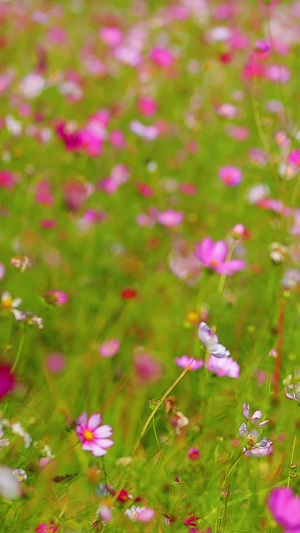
[[150, 266]]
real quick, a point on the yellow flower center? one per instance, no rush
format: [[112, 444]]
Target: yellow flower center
[[7, 302], [252, 441], [88, 434]]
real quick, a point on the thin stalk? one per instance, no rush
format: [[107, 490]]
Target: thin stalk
[[279, 347], [21, 344], [159, 404]]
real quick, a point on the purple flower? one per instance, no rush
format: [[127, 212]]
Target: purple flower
[[285, 507], [292, 386], [211, 341], [255, 447], [255, 417], [213, 255], [189, 362], [258, 449]]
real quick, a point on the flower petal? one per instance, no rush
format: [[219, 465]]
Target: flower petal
[[94, 421]]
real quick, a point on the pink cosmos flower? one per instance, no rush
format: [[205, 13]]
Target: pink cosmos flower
[[278, 73], [225, 366], [94, 437], [161, 57], [111, 36], [147, 106], [7, 179], [109, 348], [148, 133], [285, 507], [56, 297], [213, 256], [56, 362], [230, 175], [117, 139], [170, 218], [227, 110], [46, 528], [140, 514], [188, 362], [262, 47], [147, 368]]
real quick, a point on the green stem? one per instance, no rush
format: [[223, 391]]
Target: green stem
[[292, 458], [159, 404], [21, 344]]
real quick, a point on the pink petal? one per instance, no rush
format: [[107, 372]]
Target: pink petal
[[104, 443], [206, 247], [220, 252], [94, 421], [229, 267], [102, 432]]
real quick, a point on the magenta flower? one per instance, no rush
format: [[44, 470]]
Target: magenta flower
[[162, 57], [213, 255], [7, 380], [188, 362], [294, 158], [109, 348], [94, 438], [285, 507], [46, 528], [230, 175], [193, 454]]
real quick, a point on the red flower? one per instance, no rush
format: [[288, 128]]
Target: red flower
[[129, 294]]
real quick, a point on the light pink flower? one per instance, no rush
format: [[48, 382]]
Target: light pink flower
[[170, 218], [189, 362], [230, 175], [146, 367], [227, 110], [225, 366], [111, 36], [148, 133], [213, 255], [278, 73], [140, 514], [109, 348], [56, 362], [94, 437]]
